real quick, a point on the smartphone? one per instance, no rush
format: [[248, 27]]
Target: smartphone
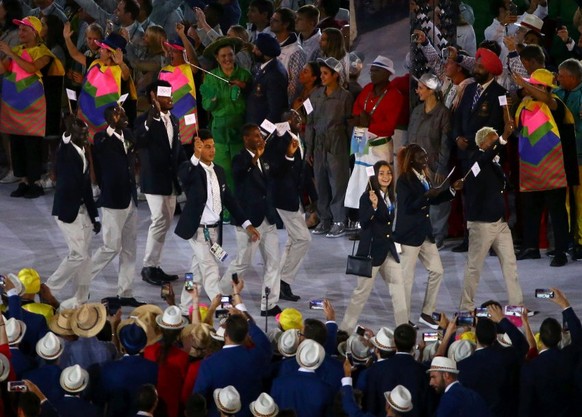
[[221, 313], [436, 317], [431, 336], [2, 280], [235, 278], [360, 330], [482, 312], [316, 304], [350, 357], [189, 281], [515, 311], [465, 318], [544, 293], [17, 386], [565, 327], [165, 290], [226, 302]]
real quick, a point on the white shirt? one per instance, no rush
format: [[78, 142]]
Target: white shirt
[[258, 161], [113, 133], [450, 385], [81, 152], [208, 215]]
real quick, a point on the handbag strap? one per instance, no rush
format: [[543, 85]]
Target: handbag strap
[[369, 247]]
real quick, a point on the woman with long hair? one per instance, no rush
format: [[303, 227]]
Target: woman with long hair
[[413, 227], [429, 127], [148, 68], [376, 216], [332, 44]]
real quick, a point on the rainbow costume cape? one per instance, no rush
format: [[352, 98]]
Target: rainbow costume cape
[[184, 96], [541, 157], [23, 110], [101, 89]]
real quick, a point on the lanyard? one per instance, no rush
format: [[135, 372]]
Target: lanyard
[[378, 102]]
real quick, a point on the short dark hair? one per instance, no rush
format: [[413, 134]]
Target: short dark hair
[[236, 328], [492, 46], [153, 88], [263, 6], [108, 113], [204, 134], [195, 406], [309, 11], [248, 128], [287, 17], [550, 332], [315, 330], [147, 397], [404, 337], [485, 331], [533, 53], [147, 6], [330, 7], [132, 7], [29, 403]]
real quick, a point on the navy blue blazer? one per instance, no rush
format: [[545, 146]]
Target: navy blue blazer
[[412, 210], [36, 326], [47, 379], [302, 392], [20, 362], [400, 369], [376, 234], [158, 162], [547, 382], [286, 175], [69, 406], [73, 186], [330, 372], [252, 188], [193, 178], [268, 96], [238, 366], [115, 170], [460, 401], [487, 112], [349, 404]]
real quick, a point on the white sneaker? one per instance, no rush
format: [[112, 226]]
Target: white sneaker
[[96, 190], [9, 178], [47, 183]]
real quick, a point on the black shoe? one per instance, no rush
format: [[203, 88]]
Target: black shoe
[[461, 247], [528, 253], [414, 326], [34, 191], [286, 293], [130, 302], [271, 312], [427, 320], [150, 275], [165, 277], [20, 191], [577, 253], [560, 259]]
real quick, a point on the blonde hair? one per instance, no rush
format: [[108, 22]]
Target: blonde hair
[[482, 134], [158, 35]]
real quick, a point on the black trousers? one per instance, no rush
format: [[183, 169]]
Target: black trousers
[[26, 156], [533, 204]]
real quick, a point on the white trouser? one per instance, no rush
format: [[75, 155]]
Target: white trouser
[[162, 212], [428, 255], [482, 236], [77, 264], [119, 238], [268, 244], [298, 241], [391, 272]]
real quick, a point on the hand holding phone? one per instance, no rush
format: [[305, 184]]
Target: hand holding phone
[[17, 386], [544, 293], [316, 304], [165, 290]]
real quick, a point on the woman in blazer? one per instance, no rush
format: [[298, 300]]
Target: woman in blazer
[[376, 213], [413, 227]]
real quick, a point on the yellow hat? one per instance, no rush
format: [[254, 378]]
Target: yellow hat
[[542, 77], [470, 336], [30, 279], [31, 22], [290, 318]]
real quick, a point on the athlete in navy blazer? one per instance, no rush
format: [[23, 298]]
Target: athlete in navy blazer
[[73, 406], [36, 326], [460, 401], [303, 392]]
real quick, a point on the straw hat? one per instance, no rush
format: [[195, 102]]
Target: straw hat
[[4, 367], [147, 314], [264, 406], [60, 323], [384, 340], [443, 364], [399, 399], [89, 319], [171, 319], [49, 347], [15, 330], [227, 399], [310, 354], [288, 343], [74, 379]]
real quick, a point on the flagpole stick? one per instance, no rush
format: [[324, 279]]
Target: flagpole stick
[[70, 106], [208, 72]]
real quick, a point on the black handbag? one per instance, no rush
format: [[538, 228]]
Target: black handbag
[[360, 265]]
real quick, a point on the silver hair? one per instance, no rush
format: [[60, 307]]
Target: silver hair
[[574, 67], [482, 134]]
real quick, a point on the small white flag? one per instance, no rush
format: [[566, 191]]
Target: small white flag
[[282, 128], [475, 169], [190, 119], [308, 106], [370, 171], [268, 126], [502, 100], [164, 91], [122, 99], [71, 94]]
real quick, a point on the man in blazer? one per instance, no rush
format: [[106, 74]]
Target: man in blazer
[[206, 192], [74, 210], [479, 106], [285, 158], [486, 223], [114, 157], [268, 97], [251, 175], [160, 154]]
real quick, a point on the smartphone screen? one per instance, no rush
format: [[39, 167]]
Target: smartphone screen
[[226, 302], [17, 386], [188, 281], [165, 290], [515, 311], [316, 304], [482, 312], [430, 336], [465, 318], [544, 293]]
